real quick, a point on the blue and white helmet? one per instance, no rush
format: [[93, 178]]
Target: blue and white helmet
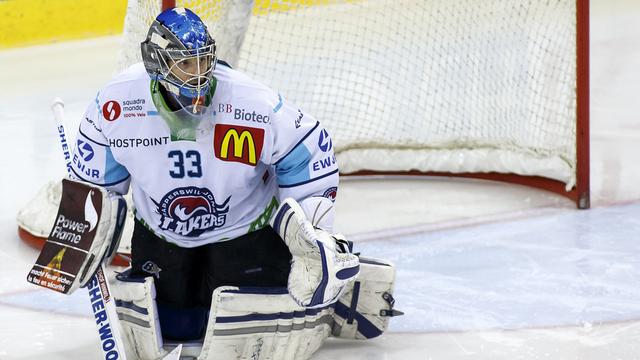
[[180, 53]]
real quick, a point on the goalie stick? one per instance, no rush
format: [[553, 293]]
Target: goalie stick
[[48, 273]]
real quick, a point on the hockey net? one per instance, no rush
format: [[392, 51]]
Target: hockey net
[[496, 89], [493, 89]]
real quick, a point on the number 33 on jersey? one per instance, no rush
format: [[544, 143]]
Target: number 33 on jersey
[[251, 149]]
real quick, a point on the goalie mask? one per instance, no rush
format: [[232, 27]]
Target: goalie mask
[[179, 53]]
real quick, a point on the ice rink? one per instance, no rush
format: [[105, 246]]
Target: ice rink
[[485, 270]]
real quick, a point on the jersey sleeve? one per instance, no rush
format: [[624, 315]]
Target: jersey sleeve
[[305, 164], [92, 160]]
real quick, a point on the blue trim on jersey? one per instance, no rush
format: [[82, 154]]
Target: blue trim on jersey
[[112, 169], [279, 105], [90, 139], [295, 167], [81, 178], [98, 104], [310, 180], [299, 142], [94, 183]]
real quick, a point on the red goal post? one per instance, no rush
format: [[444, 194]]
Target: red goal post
[[505, 118]]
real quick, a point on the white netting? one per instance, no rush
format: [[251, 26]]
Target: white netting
[[438, 85]]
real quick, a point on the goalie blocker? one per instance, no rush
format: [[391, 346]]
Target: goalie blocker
[[86, 231], [270, 323]]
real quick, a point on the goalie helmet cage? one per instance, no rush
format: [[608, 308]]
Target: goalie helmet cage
[[491, 89]]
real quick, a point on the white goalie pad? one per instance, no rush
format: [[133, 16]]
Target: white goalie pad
[[261, 324], [138, 315], [363, 312], [320, 270]]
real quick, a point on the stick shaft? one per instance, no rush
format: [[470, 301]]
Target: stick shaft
[[58, 115], [102, 302]]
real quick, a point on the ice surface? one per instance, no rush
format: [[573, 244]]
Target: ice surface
[[485, 270]]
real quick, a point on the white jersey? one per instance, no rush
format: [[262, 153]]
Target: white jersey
[[256, 150]]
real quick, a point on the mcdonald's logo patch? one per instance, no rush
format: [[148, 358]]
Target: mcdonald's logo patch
[[238, 143]]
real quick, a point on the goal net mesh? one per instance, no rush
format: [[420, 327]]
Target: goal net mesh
[[440, 85]]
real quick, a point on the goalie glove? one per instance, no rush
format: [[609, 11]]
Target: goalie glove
[[320, 269], [86, 232]]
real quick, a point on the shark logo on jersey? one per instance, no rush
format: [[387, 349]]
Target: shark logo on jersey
[[191, 211], [324, 142], [85, 150]]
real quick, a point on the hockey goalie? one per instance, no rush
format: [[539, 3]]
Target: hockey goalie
[[232, 249]]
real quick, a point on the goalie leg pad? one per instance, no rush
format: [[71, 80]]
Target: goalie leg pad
[[262, 323], [138, 315], [363, 312], [320, 271]]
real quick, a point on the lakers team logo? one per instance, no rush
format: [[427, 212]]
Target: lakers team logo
[[191, 211], [238, 143]]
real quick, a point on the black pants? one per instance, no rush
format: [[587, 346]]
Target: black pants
[[186, 277]]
